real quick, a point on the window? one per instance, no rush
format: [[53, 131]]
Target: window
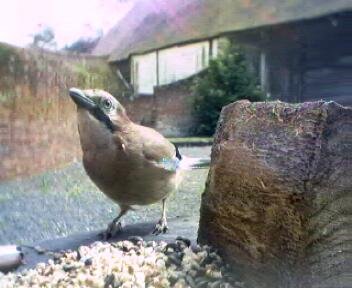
[[180, 62], [144, 73], [174, 63]]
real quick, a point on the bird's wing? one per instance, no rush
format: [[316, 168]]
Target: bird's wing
[[155, 146], [149, 145]]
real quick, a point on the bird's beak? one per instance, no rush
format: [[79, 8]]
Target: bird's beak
[[81, 99]]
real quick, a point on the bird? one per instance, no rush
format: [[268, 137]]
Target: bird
[[131, 164]]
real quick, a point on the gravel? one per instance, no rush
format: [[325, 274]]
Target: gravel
[[133, 263], [65, 202]]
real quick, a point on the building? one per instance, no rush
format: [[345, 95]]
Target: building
[[148, 68], [300, 50]]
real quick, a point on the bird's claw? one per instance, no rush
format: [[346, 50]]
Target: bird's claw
[[112, 230], [161, 227]]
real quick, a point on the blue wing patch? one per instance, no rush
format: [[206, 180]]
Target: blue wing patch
[[170, 164]]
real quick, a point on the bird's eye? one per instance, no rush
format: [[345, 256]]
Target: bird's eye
[[107, 104]]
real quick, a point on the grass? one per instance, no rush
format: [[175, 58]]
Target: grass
[[192, 140], [3, 199], [45, 185], [75, 190]]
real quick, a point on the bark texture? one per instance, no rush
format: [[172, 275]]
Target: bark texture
[[278, 199]]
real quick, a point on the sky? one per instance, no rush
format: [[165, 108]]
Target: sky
[[70, 19]]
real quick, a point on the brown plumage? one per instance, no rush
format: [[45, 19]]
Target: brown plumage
[[128, 162]]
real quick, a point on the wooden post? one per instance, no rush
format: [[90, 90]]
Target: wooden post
[[278, 204]]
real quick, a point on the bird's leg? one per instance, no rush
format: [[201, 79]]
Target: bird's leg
[[115, 226], [161, 226]]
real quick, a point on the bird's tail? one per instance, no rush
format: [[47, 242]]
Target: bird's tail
[[190, 163]]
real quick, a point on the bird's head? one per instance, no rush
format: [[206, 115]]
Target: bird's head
[[100, 115], [100, 106]]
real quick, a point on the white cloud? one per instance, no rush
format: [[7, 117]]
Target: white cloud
[[70, 19]]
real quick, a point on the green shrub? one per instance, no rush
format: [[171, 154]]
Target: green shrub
[[9, 59], [226, 80]]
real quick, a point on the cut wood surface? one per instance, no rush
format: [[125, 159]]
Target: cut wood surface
[[278, 199]]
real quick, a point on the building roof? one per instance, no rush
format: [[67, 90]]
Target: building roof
[[154, 24]]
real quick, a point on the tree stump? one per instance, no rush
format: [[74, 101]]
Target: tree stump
[[278, 199]]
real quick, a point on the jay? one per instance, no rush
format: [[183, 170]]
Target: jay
[[129, 163]]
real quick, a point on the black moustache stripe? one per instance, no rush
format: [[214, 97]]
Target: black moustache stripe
[[102, 117]]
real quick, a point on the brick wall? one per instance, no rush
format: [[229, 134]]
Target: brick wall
[[174, 108], [169, 110], [37, 118]]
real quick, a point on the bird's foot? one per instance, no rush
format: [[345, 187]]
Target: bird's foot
[[113, 229], [161, 227]]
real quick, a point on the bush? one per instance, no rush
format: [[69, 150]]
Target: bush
[[226, 80]]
